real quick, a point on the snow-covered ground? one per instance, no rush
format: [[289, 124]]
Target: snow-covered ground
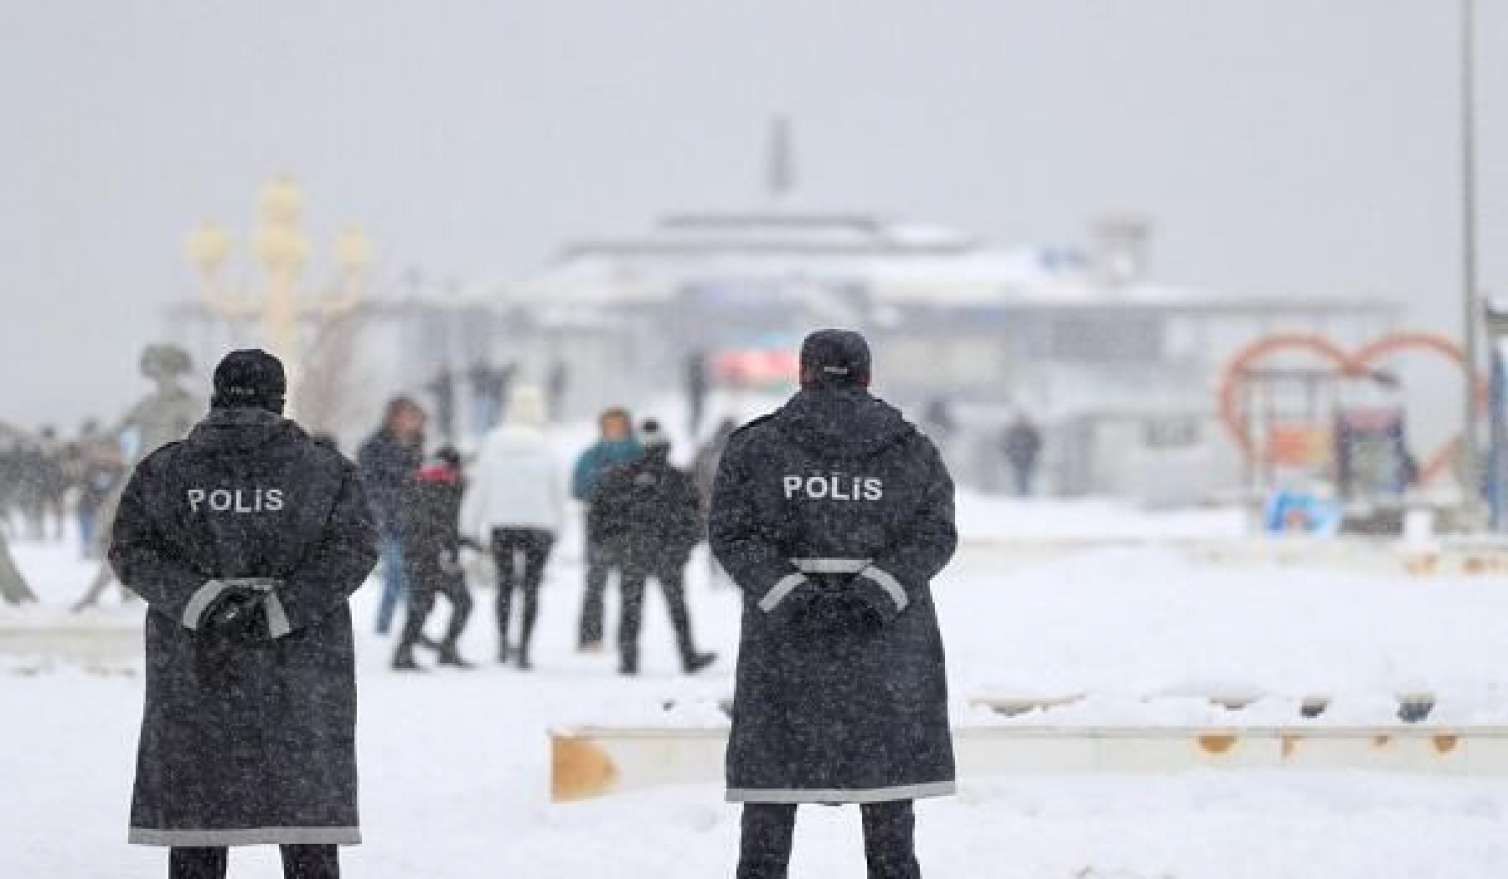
[[455, 764]]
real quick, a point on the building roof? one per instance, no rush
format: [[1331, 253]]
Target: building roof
[[897, 264]]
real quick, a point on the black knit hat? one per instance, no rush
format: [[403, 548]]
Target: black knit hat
[[250, 378], [834, 358], [652, 435]]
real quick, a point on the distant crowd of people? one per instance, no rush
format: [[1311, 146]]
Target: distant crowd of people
[[47, 482], [643, 518]]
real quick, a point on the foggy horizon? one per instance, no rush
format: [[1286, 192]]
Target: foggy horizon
[[1279, 149]]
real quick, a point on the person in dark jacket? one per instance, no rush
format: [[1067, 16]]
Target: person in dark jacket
[[246, 539], [833, 514], [644, 516], [617, 445], [389, 459], [432, 559], [99, 473], [1022, 444]]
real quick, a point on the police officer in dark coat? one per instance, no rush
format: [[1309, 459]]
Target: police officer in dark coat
[[432, 561], [833, 514], [644, 515], [246, 539]]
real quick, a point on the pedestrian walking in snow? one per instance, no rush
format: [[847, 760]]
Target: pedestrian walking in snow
[[833, 514], [432, 560], [389, 459], [616, 445], [645, 518], [99, 473], [514, 506], [1022, 444], [246, 540]]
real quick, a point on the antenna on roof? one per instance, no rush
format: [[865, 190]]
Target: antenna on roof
[[780, 169]]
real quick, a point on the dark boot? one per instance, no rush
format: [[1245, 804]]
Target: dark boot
[[764, 848], [698, 661], [889, 840], [197, 863], [311, 862], [403, 660], [452, 657]]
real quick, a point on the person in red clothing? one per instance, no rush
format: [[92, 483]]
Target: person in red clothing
[[431, 536]]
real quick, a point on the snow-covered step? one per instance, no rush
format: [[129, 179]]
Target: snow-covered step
[[1361, 555], [1413, 707], [89, 639], [596, 761]]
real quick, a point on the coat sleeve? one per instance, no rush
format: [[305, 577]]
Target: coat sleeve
[[150, 565], [335, 566], [744, 541], [693, 520], [923, 545]]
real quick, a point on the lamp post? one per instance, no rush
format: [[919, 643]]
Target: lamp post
[[1496, 483], [1470, 442], [282, 250]]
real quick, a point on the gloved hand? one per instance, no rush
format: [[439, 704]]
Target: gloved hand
[[835, 608], [857, 614], [450, 562], [239, 612]]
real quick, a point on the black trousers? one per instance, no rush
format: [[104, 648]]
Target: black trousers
[[889, 840], [598, 563], [299, 862], [520, 554], [423, 586], [671, 580]]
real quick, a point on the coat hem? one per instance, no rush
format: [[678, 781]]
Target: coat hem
[[247, 836], [841, 795]]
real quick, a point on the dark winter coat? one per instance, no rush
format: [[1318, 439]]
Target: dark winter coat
[[387, 465], [431, 526], [835, 492], [644, 514], [246, 741]]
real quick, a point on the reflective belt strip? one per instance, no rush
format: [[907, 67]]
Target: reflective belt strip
[[889, 584], [277, 617], [830, 566], [780, 590], [246, 836], [200, 601], [840, 795]]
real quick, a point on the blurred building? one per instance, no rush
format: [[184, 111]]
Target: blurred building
[[1120, 370]]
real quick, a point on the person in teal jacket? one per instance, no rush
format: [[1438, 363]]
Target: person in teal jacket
[[616, 445]]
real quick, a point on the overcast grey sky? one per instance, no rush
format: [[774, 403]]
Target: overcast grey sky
[[1282, 146]]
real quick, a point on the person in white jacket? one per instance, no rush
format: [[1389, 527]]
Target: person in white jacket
[[514, 505]]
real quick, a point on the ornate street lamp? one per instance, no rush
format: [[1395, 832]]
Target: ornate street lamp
[[282, 250]]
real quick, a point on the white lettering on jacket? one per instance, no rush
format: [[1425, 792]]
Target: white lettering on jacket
[[833, 487], [236, 500]]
